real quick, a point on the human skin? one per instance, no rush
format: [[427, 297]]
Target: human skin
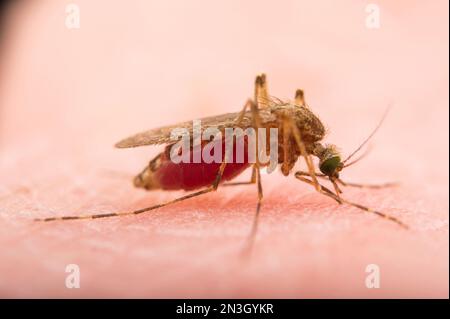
[[67, 95]]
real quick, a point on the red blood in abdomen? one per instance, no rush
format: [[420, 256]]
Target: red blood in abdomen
[[191, 176]]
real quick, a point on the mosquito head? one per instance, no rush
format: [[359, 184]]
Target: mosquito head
[[330, 162]]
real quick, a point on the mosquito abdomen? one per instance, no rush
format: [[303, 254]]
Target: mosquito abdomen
[[163, 173]]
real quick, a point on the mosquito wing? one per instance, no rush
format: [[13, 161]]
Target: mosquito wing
[[162, 135]]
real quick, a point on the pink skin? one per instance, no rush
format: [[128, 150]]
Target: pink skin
[[66, 96]]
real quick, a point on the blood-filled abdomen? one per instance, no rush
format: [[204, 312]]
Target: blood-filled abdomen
[[165, 174]]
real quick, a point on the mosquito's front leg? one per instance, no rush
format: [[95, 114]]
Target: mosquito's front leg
[[135, 212], [289, 126], [307, 174], [340, 200], [323, 190], [337, 190], [348, 184], [373, 186], [325, 177]]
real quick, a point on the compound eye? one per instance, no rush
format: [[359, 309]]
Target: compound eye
[[330, 165]]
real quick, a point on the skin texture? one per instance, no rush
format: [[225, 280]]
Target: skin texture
[[66, 96]]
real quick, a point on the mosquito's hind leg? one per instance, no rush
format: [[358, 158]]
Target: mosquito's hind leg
[[289, 126], [211, 188], [136, 212]]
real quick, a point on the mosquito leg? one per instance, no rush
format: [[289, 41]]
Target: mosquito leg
[[250, 182], [254, 229], [255, 120], [260, 88], [136, 212], [340, 181], [380, 214], [289, 125], [238, 184], [325, 177], [261, 91], [211, 188], [320, 175], [373, 186], [323, 190], [300, 98], [260, 94], [336, 187], [288, 160], [309, 162], [254, 175], [364, 208], [347, 184]]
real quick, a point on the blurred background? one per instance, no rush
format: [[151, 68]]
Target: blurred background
[[76, 77]]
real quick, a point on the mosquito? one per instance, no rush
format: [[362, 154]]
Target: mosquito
[[300, 133]]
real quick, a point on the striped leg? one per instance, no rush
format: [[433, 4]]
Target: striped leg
[[299, 175]]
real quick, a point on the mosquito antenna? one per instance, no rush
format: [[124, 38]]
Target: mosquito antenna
[[370, 136], [368, 150]]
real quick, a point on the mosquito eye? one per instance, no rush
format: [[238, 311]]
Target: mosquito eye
[[330, 165]]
